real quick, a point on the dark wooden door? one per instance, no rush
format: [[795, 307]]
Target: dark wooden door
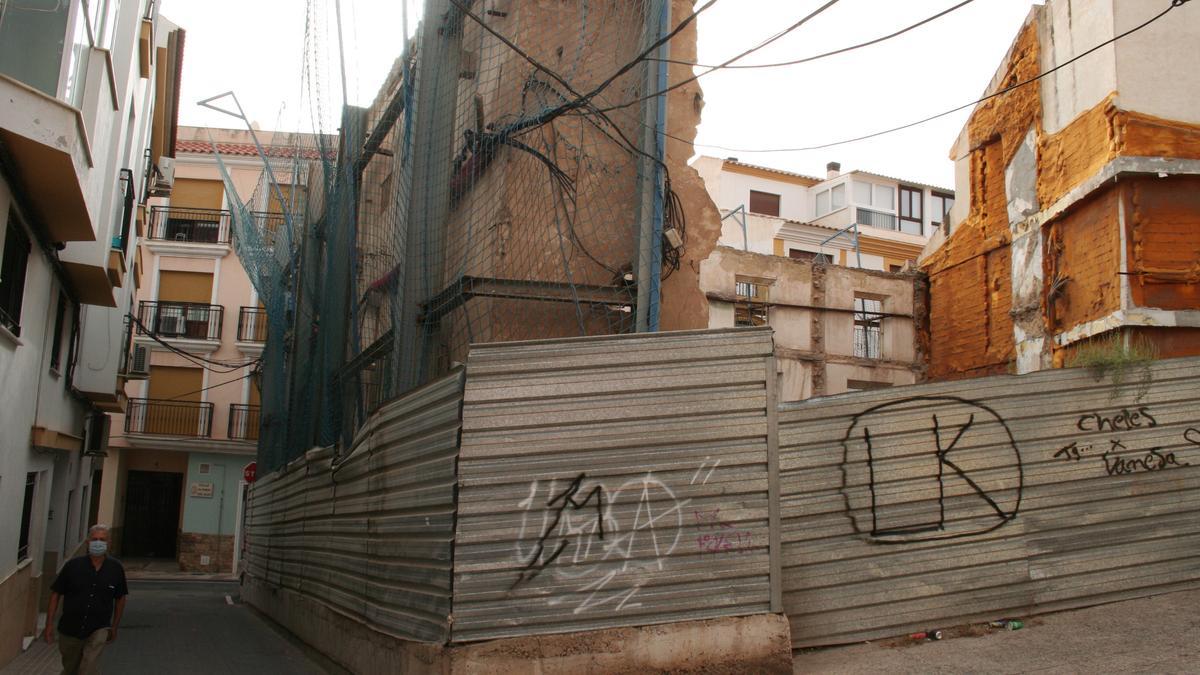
[[151, 514]]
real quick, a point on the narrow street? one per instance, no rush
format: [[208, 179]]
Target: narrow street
[[187, 627]]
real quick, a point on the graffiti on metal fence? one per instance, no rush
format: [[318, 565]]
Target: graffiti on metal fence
[[601, 542], [717, 535], [1115, 456], [930, 467]]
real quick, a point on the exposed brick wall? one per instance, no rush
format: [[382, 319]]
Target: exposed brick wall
[[1079, 150], [218, 548], [1162, 217], [970, 276], [1082, 262]]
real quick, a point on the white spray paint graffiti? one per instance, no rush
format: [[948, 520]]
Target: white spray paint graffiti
[[602, 540]]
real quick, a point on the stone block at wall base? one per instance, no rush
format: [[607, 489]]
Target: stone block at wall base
[[18, 610], [758, 644], [193, 546]]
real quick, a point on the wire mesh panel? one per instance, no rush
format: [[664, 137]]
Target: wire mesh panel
[[505, 183]]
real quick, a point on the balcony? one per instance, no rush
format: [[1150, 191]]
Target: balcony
[[180, 320], [120, 241], [252, 325], [189, 226], [877, 219], [169, 418], [243, 422]]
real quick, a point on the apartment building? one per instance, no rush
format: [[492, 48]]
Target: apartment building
[[174, 479], [855, 219], [1078, 226], [88, 99], [828, 264]]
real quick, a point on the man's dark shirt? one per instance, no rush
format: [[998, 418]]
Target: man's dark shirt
[[88, 594]]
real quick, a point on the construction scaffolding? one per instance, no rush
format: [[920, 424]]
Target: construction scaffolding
[[506, 183]]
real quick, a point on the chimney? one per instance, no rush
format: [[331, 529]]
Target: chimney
[[833, 170]]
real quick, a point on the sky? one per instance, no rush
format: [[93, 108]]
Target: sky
[[256, 49]]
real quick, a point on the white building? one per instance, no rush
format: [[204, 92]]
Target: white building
[[88, 95], [805, 217]]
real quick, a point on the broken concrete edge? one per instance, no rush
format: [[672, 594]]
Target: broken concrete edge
[[759, 643]]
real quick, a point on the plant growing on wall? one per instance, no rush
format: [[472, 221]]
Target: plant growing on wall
[[1118, 355]]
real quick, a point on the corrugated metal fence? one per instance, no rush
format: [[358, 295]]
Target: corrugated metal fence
[[371, 535], [633, 480], [941, 504], [614, 481]]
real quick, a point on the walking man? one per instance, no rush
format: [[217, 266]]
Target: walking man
[[93, 590]]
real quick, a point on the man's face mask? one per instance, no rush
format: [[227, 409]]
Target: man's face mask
[[97, 547]]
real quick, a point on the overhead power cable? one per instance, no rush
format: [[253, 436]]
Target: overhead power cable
[[822, 146], [835, 52], [761, 45], [582, 100], [196, 359]]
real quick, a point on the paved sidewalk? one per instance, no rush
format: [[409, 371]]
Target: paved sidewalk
[[1152, 635]]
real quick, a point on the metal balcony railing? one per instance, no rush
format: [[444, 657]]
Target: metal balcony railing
[[252, 324], [883, 221], [120, 241], [243, 422], [169, 418], [180, 320], [193, 226]]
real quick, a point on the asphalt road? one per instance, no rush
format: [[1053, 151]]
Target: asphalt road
[[191, 627]]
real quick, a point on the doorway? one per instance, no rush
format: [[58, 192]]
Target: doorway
[[151, 514]]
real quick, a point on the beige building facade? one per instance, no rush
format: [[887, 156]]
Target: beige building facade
[[174, 485], [827, 264]]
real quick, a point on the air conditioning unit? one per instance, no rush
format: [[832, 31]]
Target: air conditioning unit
[[162, 178], [139, 363], [170, 325], [96, 440]]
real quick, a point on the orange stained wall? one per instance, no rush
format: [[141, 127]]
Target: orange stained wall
[[1101, 134], [1082, 262], [970, 326], [1162, 216]]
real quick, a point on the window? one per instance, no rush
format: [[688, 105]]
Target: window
[[12, 274], [862, 193], [751, 306], [822, 203], [939, 207], [797, 254], [764, 202], [59, 317], [26, 517], [910, 210], [868, 327], [885, 197], [837, 196]]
